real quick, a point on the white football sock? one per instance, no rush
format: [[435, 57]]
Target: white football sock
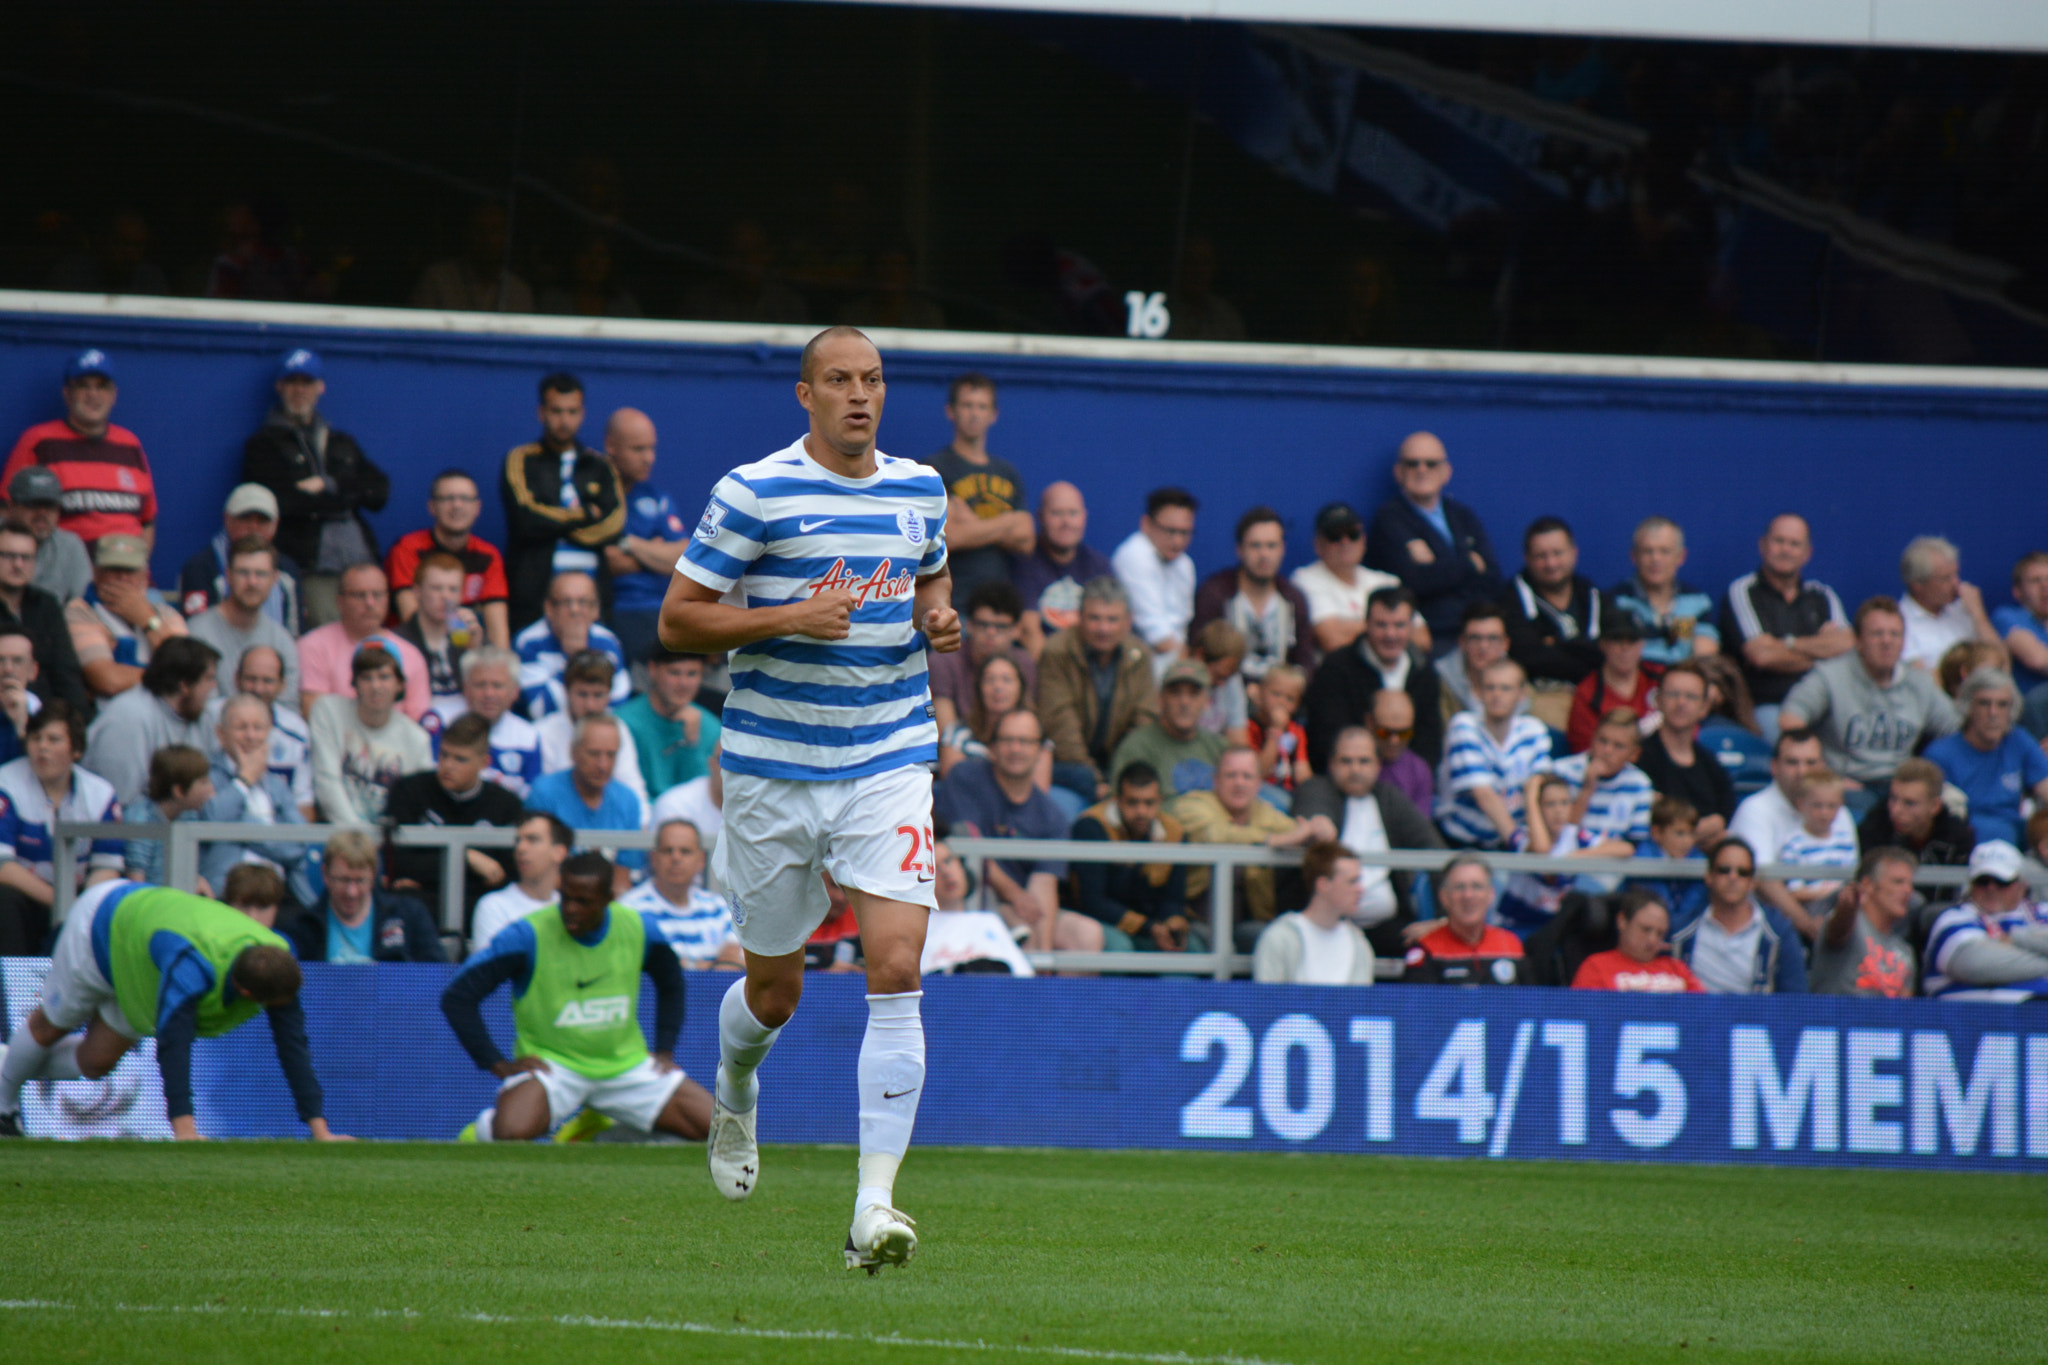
[[891, 1077], [483, 1124], [24, 1063], [743, 1043]]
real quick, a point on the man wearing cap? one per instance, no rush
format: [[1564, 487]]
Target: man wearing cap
[[1993, 945], [1337, 584], [120, 619], [323, 483], [63, 565], [105, 476], [203, 582], [239, 623], [1178, 749]]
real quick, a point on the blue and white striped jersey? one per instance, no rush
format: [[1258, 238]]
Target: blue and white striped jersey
[[1474, 759], [1837, 848], [515, 743], [784, 529], [1960, 924], [1619, 807], [541, 661], [26, 817], [697, 931]]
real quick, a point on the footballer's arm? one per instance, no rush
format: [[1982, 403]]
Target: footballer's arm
[[695, 621]]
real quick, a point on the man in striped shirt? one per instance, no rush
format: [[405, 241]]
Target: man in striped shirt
[[838, 553], [1611, 796], [694, 919], [1490, 758]]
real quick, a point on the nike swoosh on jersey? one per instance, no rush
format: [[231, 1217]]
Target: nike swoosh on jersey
[[586, 985], [806, 527]]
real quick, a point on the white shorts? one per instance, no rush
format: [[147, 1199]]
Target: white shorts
[[872, 834], [635, 1098], [75, 988]]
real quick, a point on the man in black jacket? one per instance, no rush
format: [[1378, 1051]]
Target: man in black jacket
[[1371, 816], [1381, 659], [323, 482], [355, 922], [563, 505], [41, 618], [1434, 545], [1553, 619], [453, 792]]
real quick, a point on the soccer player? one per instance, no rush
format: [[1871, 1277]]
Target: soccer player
[[136, 961], [840, 552], [575, 973]]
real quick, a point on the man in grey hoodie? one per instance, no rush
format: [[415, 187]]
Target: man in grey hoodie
[[1870, 711]]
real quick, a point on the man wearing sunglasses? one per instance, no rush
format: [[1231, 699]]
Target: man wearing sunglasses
[[1737, 944], [1337, 583], [1435, 545], [1993, 944]]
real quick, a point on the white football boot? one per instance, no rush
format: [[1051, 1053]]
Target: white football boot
[[730, 1148], [880, 1236]]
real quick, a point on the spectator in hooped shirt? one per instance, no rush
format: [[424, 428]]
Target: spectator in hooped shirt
[[1489, 760], [489, 687], [568, 627], [108, 489]]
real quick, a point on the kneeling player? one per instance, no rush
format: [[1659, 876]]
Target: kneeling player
[[575, 973], [135, 961]]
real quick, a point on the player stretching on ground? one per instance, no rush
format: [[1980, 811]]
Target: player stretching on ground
[[841, 554], [135, 961], [575, 973]]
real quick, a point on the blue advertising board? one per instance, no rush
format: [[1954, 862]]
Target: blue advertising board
[[1417, 1071]]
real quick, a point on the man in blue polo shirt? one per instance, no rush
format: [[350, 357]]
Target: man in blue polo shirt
[[644, 557], [584, 795]]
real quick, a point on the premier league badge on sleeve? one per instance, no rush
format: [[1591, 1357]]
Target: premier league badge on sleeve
[[714, 513], [911, 523]]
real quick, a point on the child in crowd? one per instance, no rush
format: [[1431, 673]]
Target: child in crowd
[[1222, 649], [1274, 732], [1673, 826], [1818, 802], [1531, 899]]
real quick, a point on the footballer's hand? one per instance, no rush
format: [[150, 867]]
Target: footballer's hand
[[942, 629], [824, 616], [507, 1070], [184, 1129], [322, 1133]]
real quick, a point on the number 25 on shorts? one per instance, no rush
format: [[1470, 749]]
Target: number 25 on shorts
[[922, 855]]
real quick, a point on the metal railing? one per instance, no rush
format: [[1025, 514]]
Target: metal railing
[[184, 838]]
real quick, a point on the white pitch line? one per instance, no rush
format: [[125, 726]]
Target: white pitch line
[[660, 1325]]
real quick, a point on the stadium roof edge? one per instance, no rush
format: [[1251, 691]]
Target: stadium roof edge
[[88, 307]]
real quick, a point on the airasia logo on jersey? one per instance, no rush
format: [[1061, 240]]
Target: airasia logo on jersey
[[878, 586]]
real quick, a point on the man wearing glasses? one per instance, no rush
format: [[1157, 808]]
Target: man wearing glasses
[[1154, 566], [1737, 944], [40, 616], [1433, 544], [454, 503], [1993, 945], [568, 627]]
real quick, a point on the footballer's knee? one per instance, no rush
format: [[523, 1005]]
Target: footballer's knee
[[773, 999], [41, 1029], [893, 973]]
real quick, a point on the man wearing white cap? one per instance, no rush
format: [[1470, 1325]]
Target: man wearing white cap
[[120, 618], [323, 483], [203, 582], [63, 566], [1993, 944]]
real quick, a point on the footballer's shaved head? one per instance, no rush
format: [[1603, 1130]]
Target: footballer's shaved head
[[807, 366]]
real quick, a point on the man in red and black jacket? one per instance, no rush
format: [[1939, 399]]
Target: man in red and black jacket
[[107, 485]]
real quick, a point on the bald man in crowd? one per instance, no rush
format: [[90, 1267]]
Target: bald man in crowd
[[645, 556], [1434, 544], [1051, 577]]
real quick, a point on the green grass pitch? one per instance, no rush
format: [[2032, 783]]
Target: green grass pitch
[[399, 1253]]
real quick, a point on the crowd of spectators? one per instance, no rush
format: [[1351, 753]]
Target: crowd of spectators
[[1402, 691]]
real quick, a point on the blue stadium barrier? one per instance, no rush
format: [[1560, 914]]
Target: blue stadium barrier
[[1417, 1071], [1871, 463]]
